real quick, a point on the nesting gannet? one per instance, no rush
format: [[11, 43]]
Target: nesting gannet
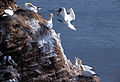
[[68, 16], [31, 7], [69, 63], [58, 35], [76, 61], [10, 60], [86, 70], [8, 12], [88, 73], [49, 23], [85, 66], [3, 62]]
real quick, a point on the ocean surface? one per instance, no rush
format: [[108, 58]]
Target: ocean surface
[[97, 39]]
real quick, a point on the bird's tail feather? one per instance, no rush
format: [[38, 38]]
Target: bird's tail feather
[[72, 27]]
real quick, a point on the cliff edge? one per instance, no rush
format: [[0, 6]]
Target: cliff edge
[[35, 49]]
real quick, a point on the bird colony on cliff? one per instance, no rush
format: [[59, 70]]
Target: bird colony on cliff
[[68, 16]]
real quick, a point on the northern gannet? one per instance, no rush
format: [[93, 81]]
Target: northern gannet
[[49, 23], [68, 16], [86, 70], [31, 7], [85, 66], [76, 61], [10, 60], [3, 62], [8, 12], [88, 73]]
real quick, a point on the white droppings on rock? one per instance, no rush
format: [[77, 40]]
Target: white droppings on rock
[[63, 69], [58, 59], [34, 24], [57, 38], [46, 42]]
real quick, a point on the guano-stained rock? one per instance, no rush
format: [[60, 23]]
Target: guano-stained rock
[[36, 50]]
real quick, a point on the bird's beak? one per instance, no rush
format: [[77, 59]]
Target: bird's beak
[[39, 8]]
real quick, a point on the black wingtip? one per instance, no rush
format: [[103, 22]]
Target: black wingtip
[[60, 20]]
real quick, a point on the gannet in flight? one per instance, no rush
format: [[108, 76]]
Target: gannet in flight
[[31, 7], [8, 12], [49, 23], [68, 16]]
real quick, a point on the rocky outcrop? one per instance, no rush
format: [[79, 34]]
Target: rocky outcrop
[[35, 49], [5, 4]]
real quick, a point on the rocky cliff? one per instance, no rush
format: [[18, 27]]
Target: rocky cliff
[[35, 49]]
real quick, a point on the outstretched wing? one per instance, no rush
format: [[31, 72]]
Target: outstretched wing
[[71, 14]]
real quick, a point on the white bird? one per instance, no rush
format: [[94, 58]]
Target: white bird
[[88, 67], [49, 23], [85, 66], [8, 12], [31, 7], [86, 70], [76, 61], [88, 73], [11, 61], [3, 62], [68, 16]]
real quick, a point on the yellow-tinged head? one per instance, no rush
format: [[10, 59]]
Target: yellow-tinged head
[[51, 15], [28, 4]]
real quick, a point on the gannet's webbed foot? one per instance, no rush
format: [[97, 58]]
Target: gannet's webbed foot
[[11, 61], [3, 62]]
